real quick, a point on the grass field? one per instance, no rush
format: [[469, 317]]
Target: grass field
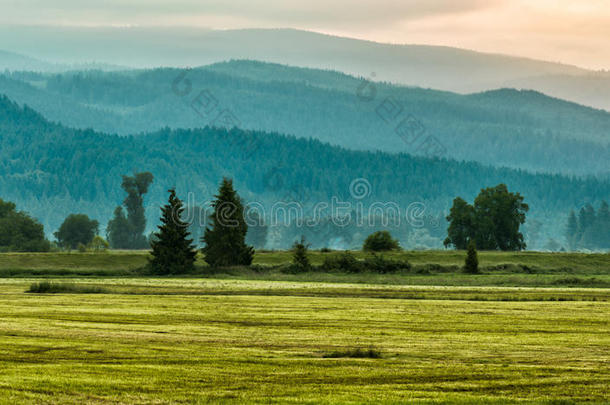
[[129, 260], [196, 340], [527, 330], [439, 268]]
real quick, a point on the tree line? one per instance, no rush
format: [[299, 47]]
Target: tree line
[[492, 222], [590, 229]]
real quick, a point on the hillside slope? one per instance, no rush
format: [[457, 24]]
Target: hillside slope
[[518, 129], [435, 67]]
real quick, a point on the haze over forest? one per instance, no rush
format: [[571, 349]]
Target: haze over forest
[[419, 123]]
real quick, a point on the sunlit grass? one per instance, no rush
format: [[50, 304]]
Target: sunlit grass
[[198, 340]]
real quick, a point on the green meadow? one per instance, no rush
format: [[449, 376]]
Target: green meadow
[[105, 334], [435, 268]]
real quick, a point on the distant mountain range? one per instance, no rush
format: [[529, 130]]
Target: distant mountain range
[[15, 62], [436, 67], [12, 61], [518, 129]]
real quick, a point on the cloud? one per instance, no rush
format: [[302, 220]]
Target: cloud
[[569, 31], [338, 13]]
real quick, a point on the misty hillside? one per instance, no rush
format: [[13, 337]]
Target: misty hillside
[[519, 129], [11, 61], [435, 67], [51, 171], [14, 61]]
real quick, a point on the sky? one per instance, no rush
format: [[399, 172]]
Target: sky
[[568, 31]]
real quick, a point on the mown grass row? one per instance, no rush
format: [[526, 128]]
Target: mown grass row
[[218, 287], [48, 287]]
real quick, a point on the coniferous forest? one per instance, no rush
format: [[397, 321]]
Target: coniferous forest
[[52, 171], [504, 127]]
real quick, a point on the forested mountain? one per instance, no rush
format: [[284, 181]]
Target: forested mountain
[[519, 129], [51, 171], [435, 67]]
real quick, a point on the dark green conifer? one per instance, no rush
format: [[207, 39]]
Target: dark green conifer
[[300, 260], [172, 251], [225, 240], [472, 261]]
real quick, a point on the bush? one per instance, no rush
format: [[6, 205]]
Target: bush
[[99, 244], [354, 354], [378, 264], [345, 261], [379, 242]]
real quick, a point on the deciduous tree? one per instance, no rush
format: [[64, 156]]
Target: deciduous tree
[[493, 221], [19, 232], [76, 229]]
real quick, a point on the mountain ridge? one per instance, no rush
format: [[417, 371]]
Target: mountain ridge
[[428, 66], [518, 129]]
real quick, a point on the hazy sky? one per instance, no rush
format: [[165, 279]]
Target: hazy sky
[[569, 31]]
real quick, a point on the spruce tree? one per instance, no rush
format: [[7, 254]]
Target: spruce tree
[[172, 252], [472, 261], [225, 240], [300, 260]]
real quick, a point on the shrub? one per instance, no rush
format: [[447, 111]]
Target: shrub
[[380, 241], [354, 354], [345, 261], [99, 244], [378, 264]]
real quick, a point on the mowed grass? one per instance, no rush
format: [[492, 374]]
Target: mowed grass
[[205, 340], [114, 263]]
